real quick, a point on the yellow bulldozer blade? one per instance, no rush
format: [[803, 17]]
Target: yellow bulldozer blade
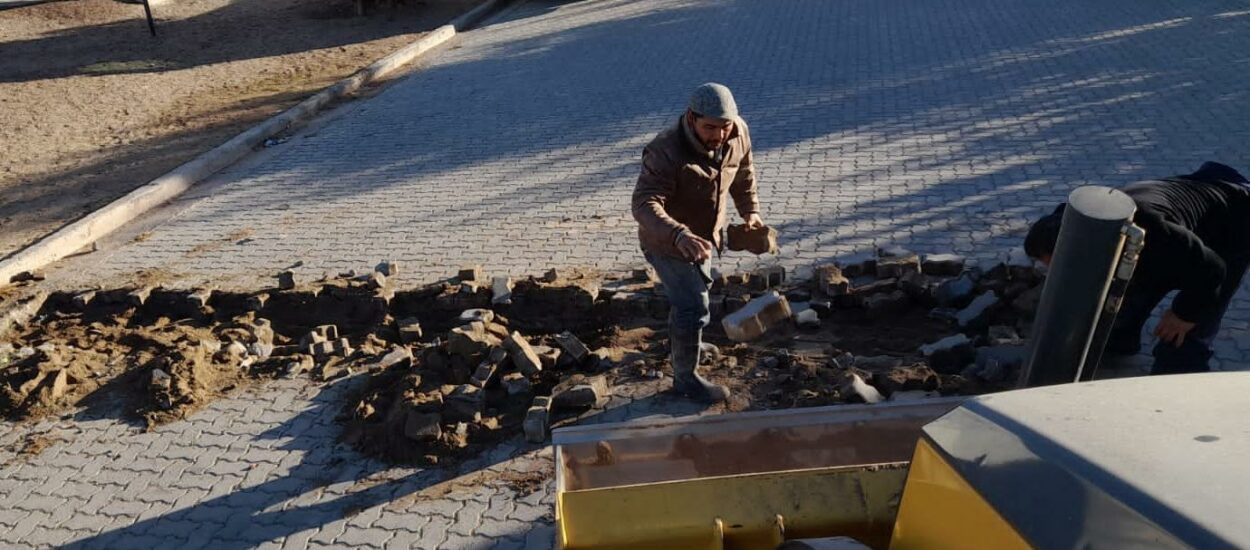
[[749, 480]]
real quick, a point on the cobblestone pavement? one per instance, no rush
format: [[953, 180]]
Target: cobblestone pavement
[[935, 124]]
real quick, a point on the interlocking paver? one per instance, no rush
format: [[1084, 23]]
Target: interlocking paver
[[936, 124]]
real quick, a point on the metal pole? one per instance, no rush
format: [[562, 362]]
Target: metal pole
[[1135, 239], [1091, 240], [147, 9]]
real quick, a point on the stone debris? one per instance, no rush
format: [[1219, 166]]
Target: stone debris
[[523, 356], [877, 362], [580, 392], [398, 356], [286, 280], [488, 370], [317, 335], [484, 374], [516, 383], [1002, 335], [256, 302], [831, 281], [943, 265], [946, 344], [648, 275], [471, 341], [83, 299], [498, 330], [20, 313], [881, 306], [855, 390], [260, 350], [798, 295], [464, 404], [480, 315], [860, 265], [471, 273], [976, 311], [949, 355], [375, 280], [572, 347], [895, 262], [501, 290], [235, 351], [60, 383], [1008, 356], [161, 379], [863, 287], [807, 318], [908, 378], [138, 296], [956, 292], [765, 278], [200, 298], [387, 268], [298, 365], [409, 330], [321, 350], [536, 421], [420, 426], [755, 318], [343, 348], [823, 308], [549, 357], [28, 276]]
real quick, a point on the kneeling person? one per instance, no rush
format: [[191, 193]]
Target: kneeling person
[[1197, 241]]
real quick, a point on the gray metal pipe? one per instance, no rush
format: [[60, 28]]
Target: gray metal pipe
[[1091, 240], [1134, 240]]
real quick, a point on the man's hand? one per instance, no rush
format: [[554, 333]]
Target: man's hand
[[694, 248], [1172, 329], [754, 221]]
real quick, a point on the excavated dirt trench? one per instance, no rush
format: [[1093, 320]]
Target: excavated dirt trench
[[452, 367]]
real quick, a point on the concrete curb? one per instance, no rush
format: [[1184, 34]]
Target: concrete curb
[[78, 234]]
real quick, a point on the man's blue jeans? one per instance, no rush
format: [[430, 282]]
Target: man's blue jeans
[[686, 284], [1195, 353]]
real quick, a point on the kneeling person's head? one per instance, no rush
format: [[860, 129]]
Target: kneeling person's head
[[1039, 244]]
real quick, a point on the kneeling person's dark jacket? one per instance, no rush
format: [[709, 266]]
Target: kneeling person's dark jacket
[[1197, 235]]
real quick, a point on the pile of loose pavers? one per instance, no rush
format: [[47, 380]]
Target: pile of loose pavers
[[450, 367]]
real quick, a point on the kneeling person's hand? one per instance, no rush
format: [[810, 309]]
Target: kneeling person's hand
[[1172, 329]]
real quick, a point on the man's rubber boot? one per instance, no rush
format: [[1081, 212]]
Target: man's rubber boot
[[686, 380]]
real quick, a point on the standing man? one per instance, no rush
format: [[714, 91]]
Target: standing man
[[689, 173], [1197, 241]]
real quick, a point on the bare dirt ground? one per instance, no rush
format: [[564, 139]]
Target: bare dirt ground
[[93, 106]]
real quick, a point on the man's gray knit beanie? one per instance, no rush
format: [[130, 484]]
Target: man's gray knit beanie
[[714, 100]]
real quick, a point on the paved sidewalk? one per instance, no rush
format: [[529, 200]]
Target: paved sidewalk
[[935, 124]]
